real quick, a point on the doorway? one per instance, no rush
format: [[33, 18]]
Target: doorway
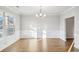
[[70, 28]]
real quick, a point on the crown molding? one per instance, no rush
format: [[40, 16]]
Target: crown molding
[[67, 10]]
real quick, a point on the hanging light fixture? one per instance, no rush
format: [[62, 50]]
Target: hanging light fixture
[[40, 14]]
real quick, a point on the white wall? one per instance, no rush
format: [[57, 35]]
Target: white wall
[[33, 27], [5, 41], [28, 27], [76, 34]]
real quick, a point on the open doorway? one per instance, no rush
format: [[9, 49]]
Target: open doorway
[[70, 28]]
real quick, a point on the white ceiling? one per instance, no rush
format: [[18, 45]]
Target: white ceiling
[[31, 10]]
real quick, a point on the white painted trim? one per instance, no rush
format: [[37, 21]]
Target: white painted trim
[[7, 9], [62, 38], [70, 47]]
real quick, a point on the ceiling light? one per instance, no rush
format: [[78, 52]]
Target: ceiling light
[[44, 15], [40, 14]]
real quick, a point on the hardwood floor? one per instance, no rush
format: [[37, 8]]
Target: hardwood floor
[[39, 45], [74, 49]]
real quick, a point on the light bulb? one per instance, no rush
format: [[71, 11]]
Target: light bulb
[[37, 15], [44, 15], [40, 14]]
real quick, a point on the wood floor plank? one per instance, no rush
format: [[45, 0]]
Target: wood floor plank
[[39, 45]]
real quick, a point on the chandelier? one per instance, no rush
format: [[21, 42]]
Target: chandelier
[[40, 14]]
